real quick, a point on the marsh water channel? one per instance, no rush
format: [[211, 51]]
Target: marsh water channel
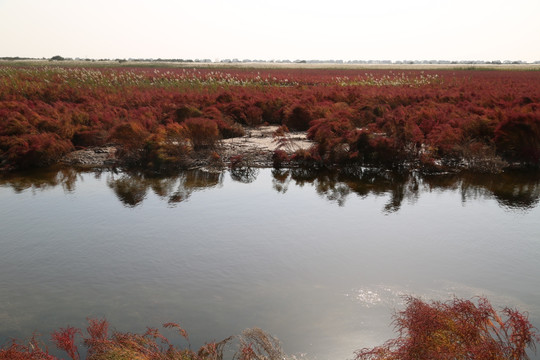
[[319, 260]]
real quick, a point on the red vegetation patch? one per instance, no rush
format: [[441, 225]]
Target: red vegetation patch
[[203, 132], [64, 339], [518, 136], [457, 329], [380, 117], [252, 344]]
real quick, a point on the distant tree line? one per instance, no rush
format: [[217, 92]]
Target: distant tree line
[[285, 61]]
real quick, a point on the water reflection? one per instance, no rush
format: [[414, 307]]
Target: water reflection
[[338, 186], [244, 175], [131, 189], [43, 179], [512, 190]]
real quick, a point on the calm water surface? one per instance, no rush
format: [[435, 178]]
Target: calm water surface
[[319, 261]]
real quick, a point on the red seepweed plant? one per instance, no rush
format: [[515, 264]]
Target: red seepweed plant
[[456, 329], [101, 344], [408, 117], [33, 350], [64, 339]]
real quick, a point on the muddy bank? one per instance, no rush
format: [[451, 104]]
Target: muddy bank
[[92, 157], [256, 149], [256, 146]]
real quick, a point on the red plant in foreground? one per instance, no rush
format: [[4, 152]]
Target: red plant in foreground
[[452, 330], [30, 351], [457, 329], [64, 339], [252, 344], [98, 331], [181, 331]]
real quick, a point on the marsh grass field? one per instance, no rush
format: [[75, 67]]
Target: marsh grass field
[[159, 117], [368, 126]]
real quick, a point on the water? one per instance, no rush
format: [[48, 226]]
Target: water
[[318, 260]]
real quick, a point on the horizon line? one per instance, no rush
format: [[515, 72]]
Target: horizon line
[[300, 61]]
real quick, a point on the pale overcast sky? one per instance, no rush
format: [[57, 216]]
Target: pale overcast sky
[[273, 29]]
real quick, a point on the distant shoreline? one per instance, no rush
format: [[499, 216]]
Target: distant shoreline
[[270, 65]]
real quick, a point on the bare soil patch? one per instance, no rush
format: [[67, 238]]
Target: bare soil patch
[[91, 157], [257, 147]]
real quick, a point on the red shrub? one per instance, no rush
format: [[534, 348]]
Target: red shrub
[[518, 137], [237, 111], [402, 113], [185, 112], [86, 138], [31, 351], [226, 126], [279, 157], [202, 132], [167, 147], [298, 117], [272, 110], [98, 336], [306, 157], [19, 110], [445, 138], [130, 135], [181, 331], [457, 329], [33, 150], [254, 115], [383, 150], [332, 137], [64, 339], [14, 124]]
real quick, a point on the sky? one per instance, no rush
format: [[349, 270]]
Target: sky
[[272, 29]]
